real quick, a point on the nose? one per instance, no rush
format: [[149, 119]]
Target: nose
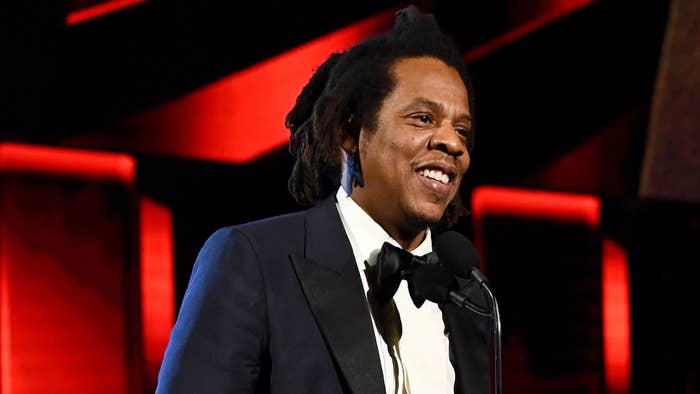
[[448, 140]]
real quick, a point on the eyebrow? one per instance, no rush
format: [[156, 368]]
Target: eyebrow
[[465, 117]]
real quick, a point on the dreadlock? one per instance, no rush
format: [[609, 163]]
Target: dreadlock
[[345, 94]]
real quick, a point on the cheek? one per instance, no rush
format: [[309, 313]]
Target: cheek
[[407, 147], [465, 164]]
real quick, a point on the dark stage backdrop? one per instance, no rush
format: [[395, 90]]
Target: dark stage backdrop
[[131, 129]]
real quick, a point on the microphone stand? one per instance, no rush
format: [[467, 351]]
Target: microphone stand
[[496, 339], [496, 315], [434, 283]]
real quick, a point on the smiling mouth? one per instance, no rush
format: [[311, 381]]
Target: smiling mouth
[[436, 175], [436, 181]]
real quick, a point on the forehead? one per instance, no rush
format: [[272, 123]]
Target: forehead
[[430, 78]]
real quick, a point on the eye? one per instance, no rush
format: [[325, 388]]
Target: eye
[[464, 130], [468, 135], [421, 119]]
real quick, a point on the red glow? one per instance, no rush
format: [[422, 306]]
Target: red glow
[[99, 10], [5, 344], [555, 206], [61, 266], [242, 116], [616, 318], [51, 272], [548, 205], [66, 162], [157, 288], [553, 11]]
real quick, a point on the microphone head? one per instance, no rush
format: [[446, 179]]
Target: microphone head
[[457, 252], [432, 282]]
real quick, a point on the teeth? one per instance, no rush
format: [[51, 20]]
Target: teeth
[[436, 175]]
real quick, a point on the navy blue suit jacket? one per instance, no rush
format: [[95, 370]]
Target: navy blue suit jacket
[[277, 306]]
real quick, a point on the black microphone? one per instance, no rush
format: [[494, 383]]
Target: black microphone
[[457, 252], [437, 283], [433, 282]]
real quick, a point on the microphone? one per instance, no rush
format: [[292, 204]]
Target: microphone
[[437, 283], [457, 252]]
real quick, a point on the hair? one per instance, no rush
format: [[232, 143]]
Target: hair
[[345, 94]]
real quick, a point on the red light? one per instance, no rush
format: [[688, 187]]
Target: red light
[[157, 288], [242, 116], [98, 10], [616, 318], [551, 12], [557, 206], [66, 162], [5, 354]]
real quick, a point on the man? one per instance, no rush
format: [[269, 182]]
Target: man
[[382, 135]]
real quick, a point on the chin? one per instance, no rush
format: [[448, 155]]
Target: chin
[[429, 216], [423, 213]]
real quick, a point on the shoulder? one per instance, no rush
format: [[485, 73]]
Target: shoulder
[[275, 234], [259, 234], [241, 248], [271, 226], [271, 230]]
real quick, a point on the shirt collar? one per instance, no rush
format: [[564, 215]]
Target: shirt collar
[[365, 234]]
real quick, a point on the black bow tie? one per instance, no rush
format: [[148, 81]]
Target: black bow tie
[[394, 264]]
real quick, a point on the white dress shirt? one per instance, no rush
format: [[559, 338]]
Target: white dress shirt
[[424, 347]]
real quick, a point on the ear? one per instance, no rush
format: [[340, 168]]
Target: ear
[[348, 142]]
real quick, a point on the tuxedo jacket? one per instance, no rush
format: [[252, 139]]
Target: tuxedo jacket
[[277, 306]]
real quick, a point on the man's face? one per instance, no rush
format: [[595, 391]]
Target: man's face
[[413, 163]]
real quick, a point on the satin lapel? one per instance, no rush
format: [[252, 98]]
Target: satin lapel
[[333, 288], [470, 347]]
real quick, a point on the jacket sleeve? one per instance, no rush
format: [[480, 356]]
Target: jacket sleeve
[[219, 337]]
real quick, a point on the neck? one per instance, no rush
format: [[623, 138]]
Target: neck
[[408, 235], [409, 239]]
